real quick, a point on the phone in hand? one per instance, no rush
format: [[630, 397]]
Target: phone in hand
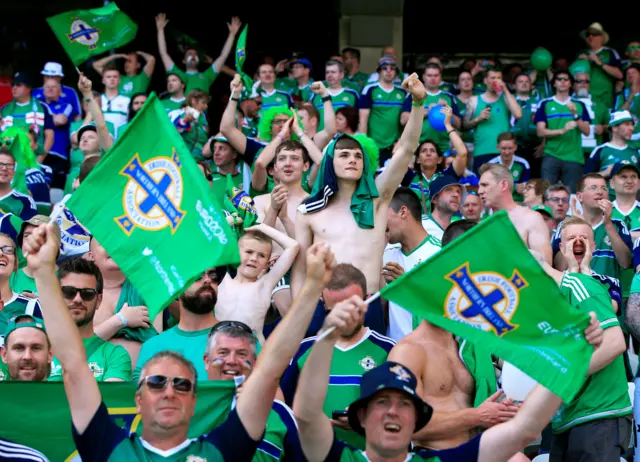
[[335, 415]]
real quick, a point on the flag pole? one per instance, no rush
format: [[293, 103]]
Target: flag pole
[[57, 211], [324, 335]]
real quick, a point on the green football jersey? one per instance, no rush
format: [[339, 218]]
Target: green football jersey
[[303, 93], [34, 115], [605, 394], [607, 154], [104, 440], [632, 221], [280, 439], [359, 78], [428, 132], [385, 107], [524, 128], [285, 84], [105, 360], [15, 306], [341, 98], [191, 344], [21, 205], [171, 104], [634, 109], [347, 368], [274, 99], [132, 84], [556, 115], [196, 80], [521, 171], [486, 132], [602, 84], [20, 282]]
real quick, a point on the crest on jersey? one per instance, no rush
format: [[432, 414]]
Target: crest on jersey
[[95, 369], [486, 300], [401, 373], [367, 363], [193, 458], [607, 240], [83, 33], [153, 194]]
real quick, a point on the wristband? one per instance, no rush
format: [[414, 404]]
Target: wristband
[[281, 137], [122, 318], [451, 131], [235, 99], [326, 98], [417, 104], [576, 118]]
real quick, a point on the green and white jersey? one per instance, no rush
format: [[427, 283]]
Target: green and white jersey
[[467, 135], [634, 109], [602, 84], [172, 104], [280, 439], [608, 154], [432, 227], [342, 97], [132, 84], [249, 126], [524, 128], [400, 320], [115, 110], [556, 115], [604, 260], [33, 114], [605, 394], [18, 304], [632, 221], [191, 344], [20, 282], [303, 93], [105, 441], [285, 84], [347, 367], [486, 133], [196, 80], [385, 107], [521, 171], [105, 360], [428, 132], [21, 205], [359, 78], [275, 98], [219, 181], [599, 115]]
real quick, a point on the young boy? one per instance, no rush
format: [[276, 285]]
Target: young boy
[[247, 297]]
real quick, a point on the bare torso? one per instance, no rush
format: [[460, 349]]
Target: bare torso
[[521, 219], [247, 302], [263, 204], [363, 248]]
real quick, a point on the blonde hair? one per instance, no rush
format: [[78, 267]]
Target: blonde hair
[[499, 173], [257, 236], [573, 221]]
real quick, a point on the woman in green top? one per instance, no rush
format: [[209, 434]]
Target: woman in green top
[[191, 122]]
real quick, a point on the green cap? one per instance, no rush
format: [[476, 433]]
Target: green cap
[[543, 209], [26, 321]]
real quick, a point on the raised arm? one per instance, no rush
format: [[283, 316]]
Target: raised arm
[[254, 404], [469, 122], [315, 429], [233, 134], [150, 63], [390, 179], [322, 138], [304, 236], [234, 27], [512, 103], [161, 23], [314, 152], [104, 137], [80, 385], [460, 161], [290, 246], [102, 62]]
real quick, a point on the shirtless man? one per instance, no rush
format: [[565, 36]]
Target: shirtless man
[[496, 184], [335, 224], [247, 297]]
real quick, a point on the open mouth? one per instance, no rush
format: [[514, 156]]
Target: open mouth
[[392, 428], [232, 373]]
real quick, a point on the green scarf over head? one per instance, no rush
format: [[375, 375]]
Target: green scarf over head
[[326, 185], [478, 362]]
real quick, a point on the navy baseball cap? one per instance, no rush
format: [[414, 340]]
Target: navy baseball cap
[[442, 182], [618, 166], [389, 376], [304, 61], [22, 78]]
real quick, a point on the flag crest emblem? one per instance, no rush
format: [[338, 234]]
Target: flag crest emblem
[[83, 33], [485, 300], [153, 194]]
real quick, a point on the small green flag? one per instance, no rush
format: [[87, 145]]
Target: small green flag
[[86, 33], [241, 56], [20, 146], [150, 207], [487, 288]]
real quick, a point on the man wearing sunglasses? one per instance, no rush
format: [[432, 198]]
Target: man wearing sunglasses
[[81, 284], [166, 395], [231, 354], [189, 337]]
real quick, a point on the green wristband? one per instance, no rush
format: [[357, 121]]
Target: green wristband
[[415, 104]]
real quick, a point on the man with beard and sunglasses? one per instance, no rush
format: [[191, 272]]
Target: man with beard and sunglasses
[[189, 337], [81, 284]]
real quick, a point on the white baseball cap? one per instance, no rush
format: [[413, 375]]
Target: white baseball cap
[[52, 69], [620, 116]]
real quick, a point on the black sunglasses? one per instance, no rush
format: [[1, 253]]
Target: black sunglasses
[[69, 292], [222, 325], [160, 382], [583, 81], [215, 274]]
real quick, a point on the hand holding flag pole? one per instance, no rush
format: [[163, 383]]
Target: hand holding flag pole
[[57, 211], [328, 332]]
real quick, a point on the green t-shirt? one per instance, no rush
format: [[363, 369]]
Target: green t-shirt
[[219, 182], [602, 84], [524, 128], [342, 98], [428, 132], [359, 79], [130, 85], [605, 394], [607, 154], [485, 135], [20, 282], [556, 115], [105, 360], [280, 439], [347, 368], [195, 80], [17, 305], [285, 84], [32, 114], [632, 222], [192, 345], [276, 98], [170, 104], [385, 107]]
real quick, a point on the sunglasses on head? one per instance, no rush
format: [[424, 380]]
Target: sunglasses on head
[[69, 292], [160, 382], [222, 325]]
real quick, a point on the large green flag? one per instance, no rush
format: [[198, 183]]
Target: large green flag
[[86, 33], [150, 207], [37, 413], [487, 288]]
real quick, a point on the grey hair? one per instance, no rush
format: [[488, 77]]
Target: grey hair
[[335, 62], [168, 354], [233, 332], [554, 188]]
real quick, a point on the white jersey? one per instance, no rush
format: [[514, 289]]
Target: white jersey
[[115, 110], [432, 227], [401, 320]]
